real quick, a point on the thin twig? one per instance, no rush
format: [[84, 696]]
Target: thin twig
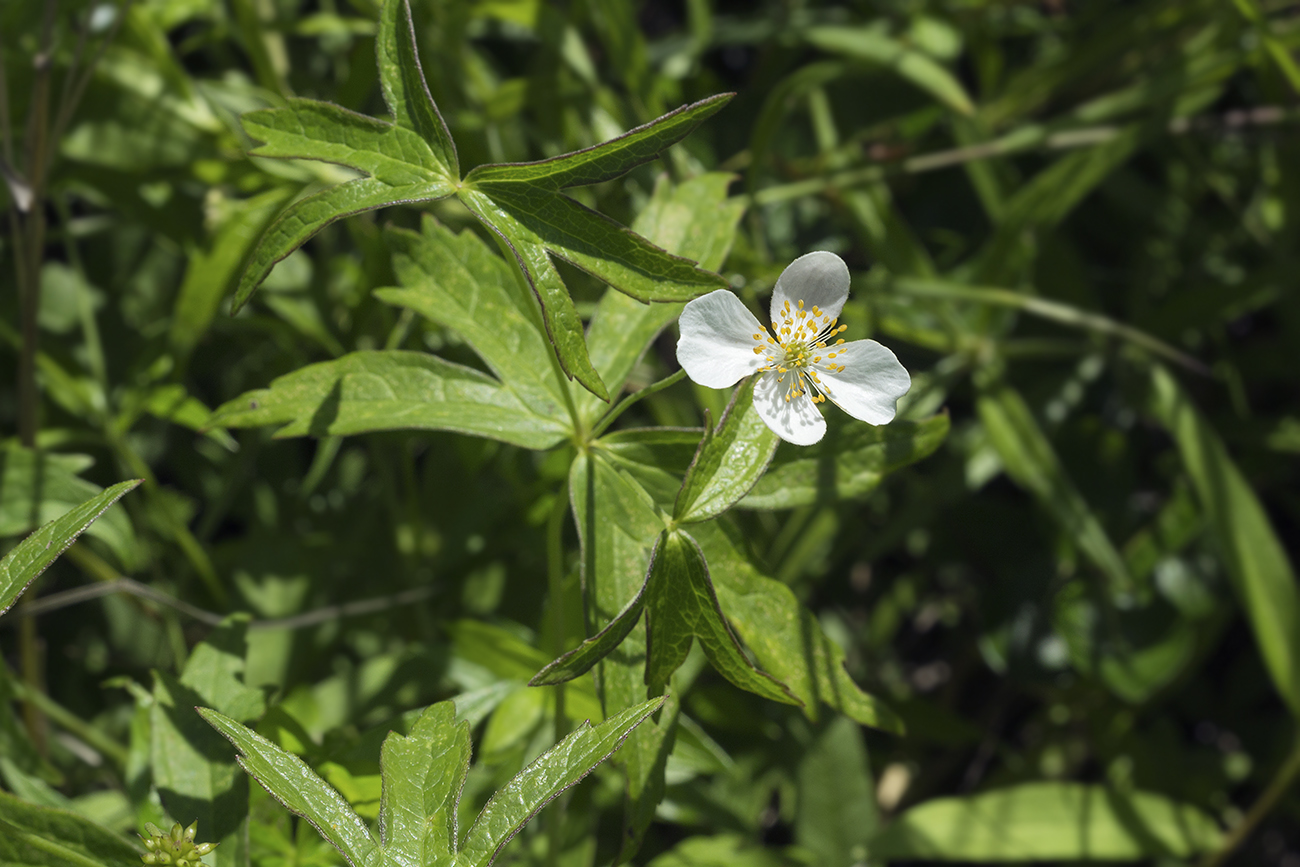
[[1286, 776], [73, 97], [56, 601]]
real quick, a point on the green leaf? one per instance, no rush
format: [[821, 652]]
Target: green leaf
[[32, 836], [786, 638], [38, 487], [560, 316], [607, 160], [296, 786], [193, 784], [1031, 462], [836, 814], [849, 463], [595, 243], [683, 606], [405, 90], [1048, 822], [694, 219], [392, 390], [558, 769], [423, 775], [1253, 556], [211, 272], [582, 658], [30, 557], [729, 461], [723, 850], [872, 46], [456, 281], [305, 217]]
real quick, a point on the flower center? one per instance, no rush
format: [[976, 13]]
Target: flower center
[[802, 349]]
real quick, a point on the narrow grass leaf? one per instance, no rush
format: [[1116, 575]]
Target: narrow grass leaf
[[872, 46], [1253, 555]]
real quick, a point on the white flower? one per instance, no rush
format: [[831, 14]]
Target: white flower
[[804, 364]]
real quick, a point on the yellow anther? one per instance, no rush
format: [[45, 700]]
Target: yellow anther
[[832, 355], [758, 350], [758, 337], [843, 328], [801, 305], [838, 342]]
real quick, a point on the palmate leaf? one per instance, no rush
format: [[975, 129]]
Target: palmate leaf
[[413, 159], [423, 775]]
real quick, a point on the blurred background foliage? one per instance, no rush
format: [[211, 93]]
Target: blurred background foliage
[[1075, 222]]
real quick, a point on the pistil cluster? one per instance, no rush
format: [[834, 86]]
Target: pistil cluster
[[801, 349]]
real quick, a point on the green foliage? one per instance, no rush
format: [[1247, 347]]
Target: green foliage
[[426, 584]]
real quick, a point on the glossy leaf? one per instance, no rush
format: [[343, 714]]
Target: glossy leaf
[[1032, 463], [560, 768], [423, 775], [1253, 556], [582, 658], [849, 463], [32, 836], [1048, 822], [391, 390], [296, 786], [30, 557], [683, 606], [730, 460]]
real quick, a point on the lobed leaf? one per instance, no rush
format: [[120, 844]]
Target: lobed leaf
[[423, 775], [582, 658], [30, 557], [563, 325], [295, 785], [729, 461], [456, 281], [391, 390], [607, 160], [405, 90], [682, 606], [305, 217], [558, 769], [694, 219]]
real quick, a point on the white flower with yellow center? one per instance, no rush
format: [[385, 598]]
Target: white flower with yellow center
[[805, 363]]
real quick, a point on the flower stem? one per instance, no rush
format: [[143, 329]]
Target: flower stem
[[555, 588], [611, 416]]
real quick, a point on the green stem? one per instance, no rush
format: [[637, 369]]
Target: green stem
[[611, 416], [1261, 808], [555, 588], [115, 752]]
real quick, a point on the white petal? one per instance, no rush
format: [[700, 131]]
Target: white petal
[[818, 279], [717, 343], [871, 384], [796, 420]]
